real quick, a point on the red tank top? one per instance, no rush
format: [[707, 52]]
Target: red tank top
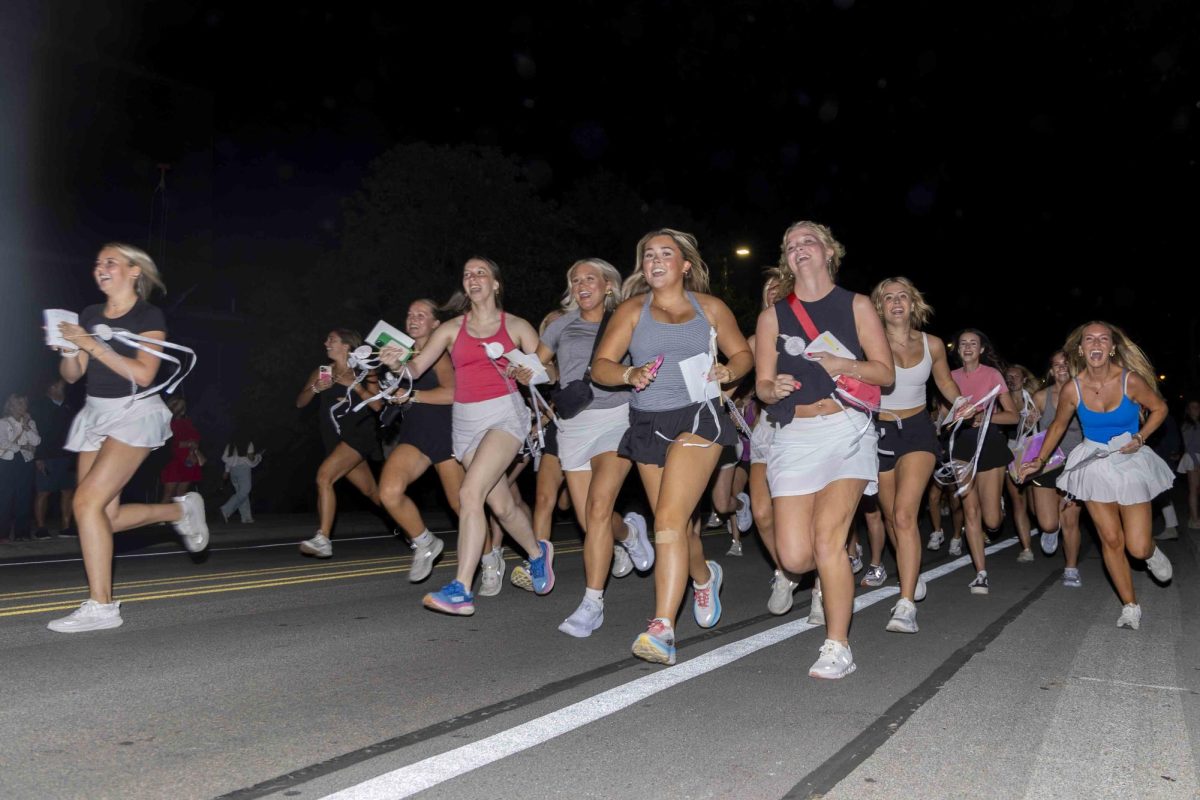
[[476, 378]]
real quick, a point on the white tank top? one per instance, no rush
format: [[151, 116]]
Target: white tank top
[[909, 389]]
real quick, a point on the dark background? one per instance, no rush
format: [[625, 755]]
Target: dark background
[[1030, 166]]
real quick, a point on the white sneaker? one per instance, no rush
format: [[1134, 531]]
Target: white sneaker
[[706, 602], [639, 547], [735, 548], [191, 527], [622, 564], [781, 600], [491, 573], [935, 540], [318, 546], [713, 521], [904, 617], [856, 564], [956, 546], [836, 661], [1131, 616], [90, 616], [587, 618], [980, 584], [921, 591], [423, 558], [1050, 543], [1071, 578], [1025, 556], [745, 517], [1160, 566], [1168, 534], [876, 576], [816, 609]]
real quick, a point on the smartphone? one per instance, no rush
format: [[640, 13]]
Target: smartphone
[[324, 374], [658, 362]]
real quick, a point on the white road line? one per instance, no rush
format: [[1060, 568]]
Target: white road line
[[1134, 685], [430, 772]]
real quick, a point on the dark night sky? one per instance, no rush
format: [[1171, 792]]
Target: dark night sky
[[1031, 165]]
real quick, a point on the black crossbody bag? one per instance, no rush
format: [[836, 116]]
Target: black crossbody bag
[[576, 395]]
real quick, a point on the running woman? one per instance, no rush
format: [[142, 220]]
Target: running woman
[[490, 423], [1112, 471], [423, 441], [350, 437], [113, 434], [588, 437], [668, 324], [823, 456], [1022, 385]]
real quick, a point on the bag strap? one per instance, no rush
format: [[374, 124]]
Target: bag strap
[[802, 316], [587, 373]]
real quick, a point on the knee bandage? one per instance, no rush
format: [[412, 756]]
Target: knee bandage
[[667, 537]]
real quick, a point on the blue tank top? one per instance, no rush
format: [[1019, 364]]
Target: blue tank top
[[834, 313], [675, 342], [1101, 426]]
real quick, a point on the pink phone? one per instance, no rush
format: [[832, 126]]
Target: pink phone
[[654, 365], [324, 373]]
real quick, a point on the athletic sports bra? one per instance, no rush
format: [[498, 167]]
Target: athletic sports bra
[[908, 391]]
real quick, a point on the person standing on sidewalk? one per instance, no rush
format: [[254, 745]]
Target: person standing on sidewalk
[[54, 468], [240, 459], [18, 439]]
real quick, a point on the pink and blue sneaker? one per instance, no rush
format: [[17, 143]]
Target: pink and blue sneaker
[[657, 644], [541, 570], [453, 598]]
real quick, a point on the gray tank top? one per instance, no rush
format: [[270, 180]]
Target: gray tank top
[[675, 343], [1074, 434]]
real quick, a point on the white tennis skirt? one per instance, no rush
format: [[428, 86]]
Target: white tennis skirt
[[1187, 464], [1125, 479], [590, 433], [472, 421], [143, 423], [810, 453], [760, 442]]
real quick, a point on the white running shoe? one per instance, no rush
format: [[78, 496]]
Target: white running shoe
[[922, 590], [956, 546], [90, 616], [639, 547], [1159, 566], [781, 594], [1168, 534], [423, 558], [1025, 556], [318, 546], [836, 661], [856, 564], [904, 617], [587, 618], [876, 576], [713, 521], [816, 609], [735, 548], [935, 540], [1050, 543], [980, 584], [706, 601], [1131, 616], [1071, 578], [491, 578], [622, 564], [191, 527], [745, 517]]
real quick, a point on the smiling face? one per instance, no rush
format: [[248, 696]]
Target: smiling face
[[804, 248], [588, 287], [1015, 379], [114, 274], [478, 281], [969, 349], [896, 303], [1096, 345], [335, 348], [421, 320], [1060, 368], [663, 263]]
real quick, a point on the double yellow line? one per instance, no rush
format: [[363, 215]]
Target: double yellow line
[[67, 598]]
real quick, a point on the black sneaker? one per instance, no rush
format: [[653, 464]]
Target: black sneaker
[[68, 533], [41, 533]]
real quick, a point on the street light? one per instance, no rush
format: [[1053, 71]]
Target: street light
[[742, 251]]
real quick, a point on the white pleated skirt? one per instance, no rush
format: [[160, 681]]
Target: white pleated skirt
[[1125, 479], [808, 454], [590, 433], [143, 423], [472, 421]]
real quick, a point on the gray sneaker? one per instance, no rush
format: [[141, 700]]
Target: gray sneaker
[[90, 616], [191, 527], [622, 564], [904, 617], [1025, 556], [587, 618], [876, 575], [639, 547], [816, 609], [492, 572], [1071, 578], [781, 594], [318, 546], [423, 558]]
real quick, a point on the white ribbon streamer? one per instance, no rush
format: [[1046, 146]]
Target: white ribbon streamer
[[960, 472], [138, 342]]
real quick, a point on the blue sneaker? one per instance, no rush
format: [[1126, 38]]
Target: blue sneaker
[[657, 644], [541, 570], [706, 601], [453, 598]]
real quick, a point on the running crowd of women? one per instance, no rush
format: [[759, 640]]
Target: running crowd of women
[[654, 373]]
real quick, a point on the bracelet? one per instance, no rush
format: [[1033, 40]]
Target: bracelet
[[1141, 442], [625, 376], [414, 399]]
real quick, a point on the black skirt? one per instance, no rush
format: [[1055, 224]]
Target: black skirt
[[651, 433]]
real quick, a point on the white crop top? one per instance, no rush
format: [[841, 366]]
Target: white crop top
[[909, 389]]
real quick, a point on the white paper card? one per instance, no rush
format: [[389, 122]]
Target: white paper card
[[826, 342], [530, 361], [695, 375], [1119, 441], [384, 334], [53, 316]]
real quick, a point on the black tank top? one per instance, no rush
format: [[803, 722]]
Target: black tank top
[[834, 313]]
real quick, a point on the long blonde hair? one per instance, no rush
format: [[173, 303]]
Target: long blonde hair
[[837, 251], [1125, 354], [607, 272], [149, 278], [695, 280], [921, 310]]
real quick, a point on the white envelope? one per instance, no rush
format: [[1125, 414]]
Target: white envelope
[[52, 317], [695, 375], [826, 342], [530, 361]]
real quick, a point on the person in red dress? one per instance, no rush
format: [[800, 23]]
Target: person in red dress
[[186, 461]]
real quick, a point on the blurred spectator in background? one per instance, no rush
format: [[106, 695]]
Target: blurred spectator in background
[[18, 441], [54, 466]]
